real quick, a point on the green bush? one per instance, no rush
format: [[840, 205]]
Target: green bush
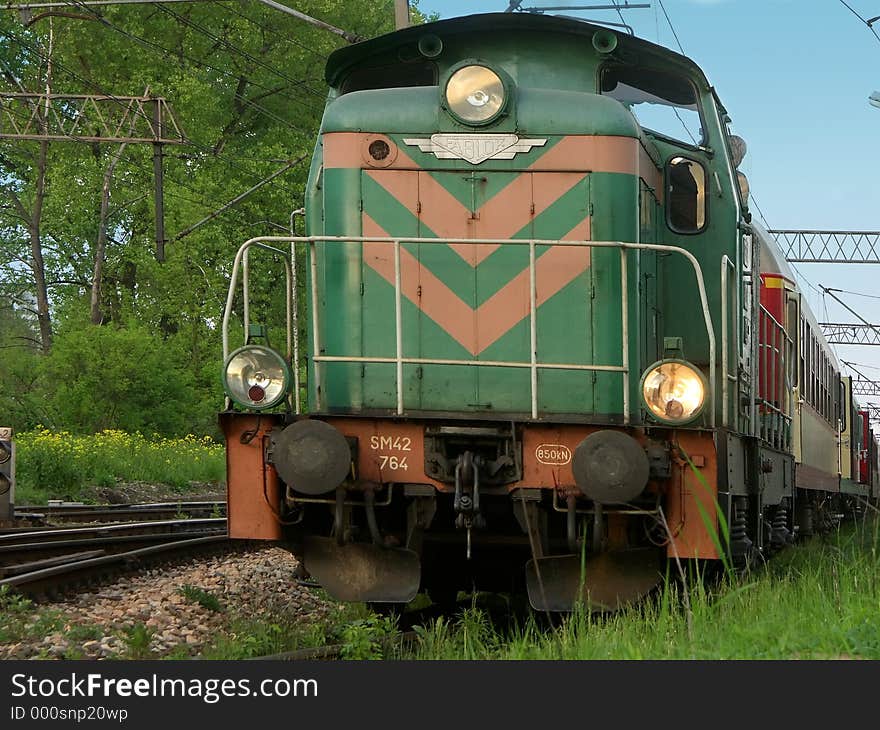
[[364, 638], [111, 378]]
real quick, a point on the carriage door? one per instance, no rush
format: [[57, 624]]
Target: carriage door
[[793, 367]]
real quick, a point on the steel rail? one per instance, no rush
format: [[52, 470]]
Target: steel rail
[[58, 573], [97, 530]]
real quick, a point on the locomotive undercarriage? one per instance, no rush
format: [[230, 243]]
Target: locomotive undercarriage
[[475, 526], [527, 539], [479, 512]]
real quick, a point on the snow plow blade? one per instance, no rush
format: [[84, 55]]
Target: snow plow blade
[[363, 572], [608, 581]]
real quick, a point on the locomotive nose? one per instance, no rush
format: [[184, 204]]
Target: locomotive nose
[[311, 457], [610, 467]]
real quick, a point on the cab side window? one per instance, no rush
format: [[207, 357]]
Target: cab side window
[[686, 195]]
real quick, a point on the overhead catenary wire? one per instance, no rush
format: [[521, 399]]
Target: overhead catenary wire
[[862, 365], [768, 226], [200, 202], [265, 29], [672, 27], [197, 62], [229, 45], [858, 294], [867, 21], [681, 48], [226, 208], [831, 291], [167, 52], [103, 92]]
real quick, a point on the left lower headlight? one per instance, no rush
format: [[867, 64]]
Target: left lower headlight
[[256, 377], [674, 391], [475, 94]]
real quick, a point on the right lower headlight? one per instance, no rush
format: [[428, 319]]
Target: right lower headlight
[[673, 391], [256, 377]]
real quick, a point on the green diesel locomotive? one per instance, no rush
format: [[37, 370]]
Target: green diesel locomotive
[[533, 338]]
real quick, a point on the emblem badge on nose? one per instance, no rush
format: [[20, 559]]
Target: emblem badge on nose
[[475, 148]]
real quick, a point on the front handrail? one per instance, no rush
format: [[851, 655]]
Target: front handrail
[[242, 261], [533, 365]]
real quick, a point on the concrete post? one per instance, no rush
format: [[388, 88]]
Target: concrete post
[[7, 474]]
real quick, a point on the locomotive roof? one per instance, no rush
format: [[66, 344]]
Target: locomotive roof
[[492, 23]]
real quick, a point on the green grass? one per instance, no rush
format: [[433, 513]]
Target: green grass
[[359, 631], [203, 598], [20, 622], [137, 640], [820, 600], [59, 464]]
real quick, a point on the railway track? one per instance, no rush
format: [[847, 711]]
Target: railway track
[[46, 561], [84, 513], [31, 545]]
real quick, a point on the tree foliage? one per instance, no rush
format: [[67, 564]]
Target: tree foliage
[[246, 86]]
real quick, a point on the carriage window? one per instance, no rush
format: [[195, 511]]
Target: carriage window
[[391, 77], [686, 188], [662, 102], [791, 345]]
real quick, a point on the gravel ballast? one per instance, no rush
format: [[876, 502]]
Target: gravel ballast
[[258, 584]]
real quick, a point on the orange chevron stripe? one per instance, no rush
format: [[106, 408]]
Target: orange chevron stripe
[[502, 216], [624, 155], [476, 330], [420, 286]]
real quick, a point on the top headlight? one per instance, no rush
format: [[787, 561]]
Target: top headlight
[[673, 391], [475, 94], [256, 377]]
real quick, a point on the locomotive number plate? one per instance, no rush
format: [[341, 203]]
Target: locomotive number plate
[[391, 451], [553, 454]]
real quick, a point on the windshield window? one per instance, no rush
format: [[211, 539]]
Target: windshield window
[[662, 102], [391, 77]]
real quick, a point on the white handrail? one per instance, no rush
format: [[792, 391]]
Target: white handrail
[[533, 364]]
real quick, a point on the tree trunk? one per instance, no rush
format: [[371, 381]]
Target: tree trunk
[[97, 315], [39, 268]]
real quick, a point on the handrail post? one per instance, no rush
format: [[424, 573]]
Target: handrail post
[[624, 315], [246, 290], [725, 341], [295, 358], [398, 327], [316, 332], [533, 329]]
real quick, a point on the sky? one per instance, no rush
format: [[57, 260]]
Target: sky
[[795, 76]]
